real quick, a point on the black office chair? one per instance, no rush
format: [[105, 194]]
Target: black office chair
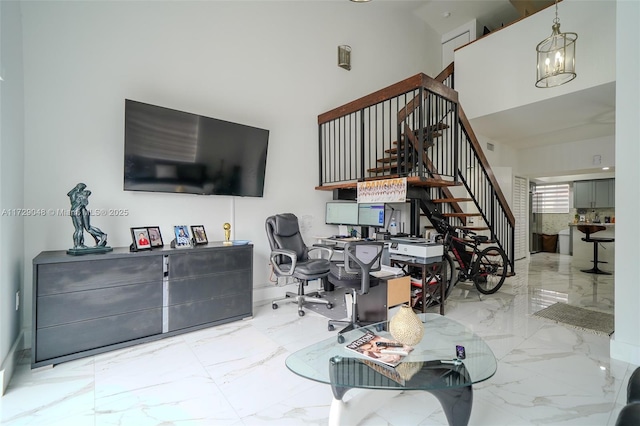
[[360, 259], [290, 258], [630, 413]]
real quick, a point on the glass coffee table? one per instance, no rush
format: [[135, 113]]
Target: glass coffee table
[[432, 366]]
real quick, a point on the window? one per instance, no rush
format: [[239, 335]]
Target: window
[[551, 199]]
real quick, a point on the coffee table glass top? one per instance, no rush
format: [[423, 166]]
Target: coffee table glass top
[[429, 366]]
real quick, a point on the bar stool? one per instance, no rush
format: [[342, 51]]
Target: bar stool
[[588, 230]]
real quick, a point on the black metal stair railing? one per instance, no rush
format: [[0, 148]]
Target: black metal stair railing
[[386, 134], [414, 128], [475, 178]]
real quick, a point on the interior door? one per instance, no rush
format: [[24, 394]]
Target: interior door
[[535, 222], [520, 212]]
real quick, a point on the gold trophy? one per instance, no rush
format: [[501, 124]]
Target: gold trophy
[[227, 234]]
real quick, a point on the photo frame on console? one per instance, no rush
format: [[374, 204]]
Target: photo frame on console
[[155, 236], [140, 238], [182, 236], [199, 234]]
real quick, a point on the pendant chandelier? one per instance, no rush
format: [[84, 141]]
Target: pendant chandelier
[[556, 57]]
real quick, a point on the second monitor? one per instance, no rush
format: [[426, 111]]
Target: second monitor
[[371, 214]]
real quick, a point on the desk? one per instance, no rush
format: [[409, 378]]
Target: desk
[[432, 371], [390, 291], [433, 273]]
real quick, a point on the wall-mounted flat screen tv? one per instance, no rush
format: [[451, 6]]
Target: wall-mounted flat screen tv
[[173, 151]]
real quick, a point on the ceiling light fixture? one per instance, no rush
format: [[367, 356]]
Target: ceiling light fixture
[[556, 57]]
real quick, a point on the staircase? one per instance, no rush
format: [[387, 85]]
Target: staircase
[[416, 129]]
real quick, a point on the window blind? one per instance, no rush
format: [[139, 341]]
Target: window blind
[[551, 199]]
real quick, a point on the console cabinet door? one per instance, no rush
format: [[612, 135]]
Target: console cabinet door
[[209, 286]]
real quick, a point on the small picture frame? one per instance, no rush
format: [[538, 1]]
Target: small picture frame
[[141, 239], [155, 236], [182, 236], [199, 234]]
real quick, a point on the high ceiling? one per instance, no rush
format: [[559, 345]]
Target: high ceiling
[[446, 15], [586, 114]]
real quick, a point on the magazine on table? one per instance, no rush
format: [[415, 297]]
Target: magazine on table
[[380, 349]]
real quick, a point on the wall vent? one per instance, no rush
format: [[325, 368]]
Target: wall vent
[[489, 146]]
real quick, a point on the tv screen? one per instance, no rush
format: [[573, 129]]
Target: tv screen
[[371, 215], [341, 213], [173, 151]]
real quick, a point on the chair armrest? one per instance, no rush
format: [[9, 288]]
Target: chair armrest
[[281, 252], [324, 250]]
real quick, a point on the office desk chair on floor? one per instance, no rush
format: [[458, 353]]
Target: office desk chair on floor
[[360, 258], [290, 258]]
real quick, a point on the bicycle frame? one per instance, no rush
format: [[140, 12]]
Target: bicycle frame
[[465, 264]]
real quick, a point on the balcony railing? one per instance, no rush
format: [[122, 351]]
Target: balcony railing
[[415, 129], [387, 133]]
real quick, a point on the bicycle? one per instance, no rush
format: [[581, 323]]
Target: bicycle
[[486, 267]]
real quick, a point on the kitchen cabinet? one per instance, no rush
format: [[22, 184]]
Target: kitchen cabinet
[[594, 193]]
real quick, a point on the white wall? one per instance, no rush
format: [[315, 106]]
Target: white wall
[[497, 73], [565, 159], [11, 187], [267, 64], [626, 340]]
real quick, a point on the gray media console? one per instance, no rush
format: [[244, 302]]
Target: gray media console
[[85, 305]]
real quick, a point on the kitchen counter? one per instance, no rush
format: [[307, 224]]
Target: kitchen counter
[[591, 223]]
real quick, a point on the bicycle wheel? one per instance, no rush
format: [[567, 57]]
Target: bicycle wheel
[[490, 270], [452, 274]]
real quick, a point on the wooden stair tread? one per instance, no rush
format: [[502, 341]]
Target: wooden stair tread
[[439, 126], [396, 149], [451, 200], [411, 180], [430, 136], [383, 168], [387, 159], [461, 214]]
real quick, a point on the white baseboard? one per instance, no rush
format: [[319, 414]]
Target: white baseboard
[[9, 364]]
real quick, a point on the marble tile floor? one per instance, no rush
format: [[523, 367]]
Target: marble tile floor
[[234, 374]]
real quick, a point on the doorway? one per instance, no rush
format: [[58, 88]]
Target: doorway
[[535, 221]]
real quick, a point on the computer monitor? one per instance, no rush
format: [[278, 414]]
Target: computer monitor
[[371, 214], [341, 213]]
